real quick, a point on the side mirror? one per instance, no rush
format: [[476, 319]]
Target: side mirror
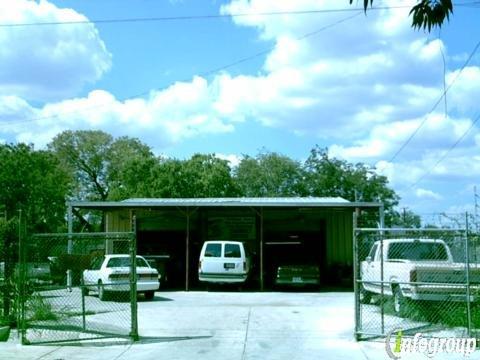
[[368, 259]]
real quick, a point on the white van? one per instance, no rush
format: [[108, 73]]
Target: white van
[[223, 262]]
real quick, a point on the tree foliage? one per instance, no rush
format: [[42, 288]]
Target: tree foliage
[[198, 177], [331, 177], [406, 219], [84, 155], [426, 14], [35, 183], [270, 174], [115, 169]]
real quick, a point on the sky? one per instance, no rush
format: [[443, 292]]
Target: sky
[[366, 86]]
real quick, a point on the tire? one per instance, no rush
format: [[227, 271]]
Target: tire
[[399, 301], [365, 296], [85, 291], [102, 294], [149, 295]]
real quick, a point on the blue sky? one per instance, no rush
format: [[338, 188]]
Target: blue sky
[[360, 87]]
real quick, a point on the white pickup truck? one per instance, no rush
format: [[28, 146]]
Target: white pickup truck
[[416, 269]]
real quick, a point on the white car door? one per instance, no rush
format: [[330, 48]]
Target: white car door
[[92, 275], [371, 269]]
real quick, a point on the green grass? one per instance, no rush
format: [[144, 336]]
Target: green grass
[[450, 314], [39, 310]]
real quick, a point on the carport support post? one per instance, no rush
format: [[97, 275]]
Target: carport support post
[[187, 252], [382, 234], [133, 278], [356, 285], [261, 249]]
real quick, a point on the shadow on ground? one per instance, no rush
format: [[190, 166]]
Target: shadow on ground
[[119, 342]]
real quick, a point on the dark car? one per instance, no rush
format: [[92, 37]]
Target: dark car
[[298, 275]]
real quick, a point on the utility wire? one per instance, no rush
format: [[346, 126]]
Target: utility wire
[[417, 129], [198, 17], [203, 74], [446, 153], [444, 75], [213, 16]]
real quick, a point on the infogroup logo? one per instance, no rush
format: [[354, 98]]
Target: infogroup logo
[[430, 346]]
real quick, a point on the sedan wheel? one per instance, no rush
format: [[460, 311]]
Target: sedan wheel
[[149, 295], [101, 291]]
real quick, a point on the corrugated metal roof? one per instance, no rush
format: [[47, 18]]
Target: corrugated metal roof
[[230, 202], [245, 200]]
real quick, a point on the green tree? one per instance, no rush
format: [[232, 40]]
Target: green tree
[[36, 183], [198, 177], [130, 169], [331, 177], [84, 154], [406, 219], [426, 13], [269, 174], [102, 168], [8, 257]]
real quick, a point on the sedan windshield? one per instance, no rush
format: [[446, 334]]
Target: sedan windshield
[[125, 262]]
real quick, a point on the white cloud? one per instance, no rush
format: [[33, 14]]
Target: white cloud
[[233, 159], [436, 135], [362, 86], [465, 89], [47, 62], [424, 193], [159, 119], [338, 83]]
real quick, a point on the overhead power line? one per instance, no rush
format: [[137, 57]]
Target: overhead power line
[[454, 145], [202, 74], [199, 17], [417, 129], [215, 16]]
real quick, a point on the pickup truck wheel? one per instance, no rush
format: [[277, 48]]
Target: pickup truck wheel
[[365, 296], [398, 301], [102, 295], [149, 295]]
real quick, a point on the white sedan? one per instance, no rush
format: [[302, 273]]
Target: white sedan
[[111, 273]]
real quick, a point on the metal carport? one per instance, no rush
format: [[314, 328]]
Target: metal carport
[[191, 219]]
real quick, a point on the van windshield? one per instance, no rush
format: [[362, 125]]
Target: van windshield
[[213, 250], [232, 251]]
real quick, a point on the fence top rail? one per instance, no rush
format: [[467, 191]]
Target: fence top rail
[[411, 229], [87, 235]]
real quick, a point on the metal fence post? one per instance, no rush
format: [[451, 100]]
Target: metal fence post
[[356, 285], [467, 277], [69, 246], [22, 278], [133, 280], [82, 294], [382, 279]]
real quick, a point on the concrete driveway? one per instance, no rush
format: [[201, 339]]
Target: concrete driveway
[[229, 325]]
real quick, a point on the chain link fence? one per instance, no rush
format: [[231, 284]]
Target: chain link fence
[[78, 287], [417, 280]]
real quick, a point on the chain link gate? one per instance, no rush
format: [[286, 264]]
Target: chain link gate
[[416, 280], [64, 294]]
